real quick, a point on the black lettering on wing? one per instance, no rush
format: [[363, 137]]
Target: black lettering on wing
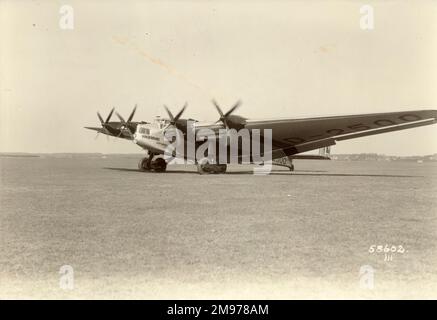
[[334, 132], [294, 140], [410, 117], [384, 122]]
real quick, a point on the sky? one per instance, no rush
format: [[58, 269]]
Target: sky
[[281, 58]]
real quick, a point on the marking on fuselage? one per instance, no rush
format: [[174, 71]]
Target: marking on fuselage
[[144, 136]]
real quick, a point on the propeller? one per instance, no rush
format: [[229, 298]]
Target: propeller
[[97, 135], [132, 114], [225, 118], [126, 124], [174, 119], [104, 123]]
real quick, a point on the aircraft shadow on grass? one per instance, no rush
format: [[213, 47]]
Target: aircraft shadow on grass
[[309, 173]]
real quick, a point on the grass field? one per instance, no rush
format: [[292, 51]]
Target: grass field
[[129, 234]]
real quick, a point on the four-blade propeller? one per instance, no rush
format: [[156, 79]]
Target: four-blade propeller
[[225, 117], [126, 125], [174, 119], [105, 123]]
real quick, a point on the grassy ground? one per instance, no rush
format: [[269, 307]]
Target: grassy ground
[[181, 235]]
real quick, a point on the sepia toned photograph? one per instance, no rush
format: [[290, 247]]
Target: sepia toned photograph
[[218, 150]]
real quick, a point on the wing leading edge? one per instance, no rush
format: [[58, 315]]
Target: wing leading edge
[[100, 130]]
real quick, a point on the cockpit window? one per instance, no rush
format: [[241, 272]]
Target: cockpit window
[[163, 123]]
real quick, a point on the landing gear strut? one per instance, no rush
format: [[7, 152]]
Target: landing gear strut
[[148, 164]]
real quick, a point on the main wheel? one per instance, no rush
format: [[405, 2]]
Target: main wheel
[[220, 168], [204, 167], [201, 168], [144, 164], [159, 165]]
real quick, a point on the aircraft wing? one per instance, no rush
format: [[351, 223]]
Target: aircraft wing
[[300, 135], [101, 130]]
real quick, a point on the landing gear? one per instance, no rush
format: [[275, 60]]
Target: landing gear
[[211, 168], [284, 162], [148, 164], [144, 164], [159, 165], [205, 167], [291, 165]]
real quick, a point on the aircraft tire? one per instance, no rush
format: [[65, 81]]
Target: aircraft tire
[[221, 168], [143, 164], [159, 165], [206, 168]]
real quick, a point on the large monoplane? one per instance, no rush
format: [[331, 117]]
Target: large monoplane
[[290, 137]]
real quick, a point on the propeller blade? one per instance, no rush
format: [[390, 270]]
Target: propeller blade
[[125, 125], [180, 112], [218, 108], [110, 115], [170, 115], [98, 134], [100, 118], [173, 119], [224, 117], [120, 117], [132, 114], [233, 108]]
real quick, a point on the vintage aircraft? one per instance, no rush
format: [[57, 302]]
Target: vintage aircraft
[[290, 137]]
